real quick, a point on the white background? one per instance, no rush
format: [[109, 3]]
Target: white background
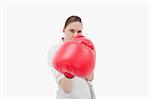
[[119, 31]]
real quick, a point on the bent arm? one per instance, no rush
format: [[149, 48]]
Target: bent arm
[[66, 84]]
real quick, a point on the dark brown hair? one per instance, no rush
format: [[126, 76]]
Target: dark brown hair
[[72, 18]]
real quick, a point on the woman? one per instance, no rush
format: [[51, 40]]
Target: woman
[[76, 88]]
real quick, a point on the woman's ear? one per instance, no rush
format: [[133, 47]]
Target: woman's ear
[[63, 30]]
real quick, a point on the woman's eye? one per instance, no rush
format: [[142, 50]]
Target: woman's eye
[[71, 30], [79, 31]]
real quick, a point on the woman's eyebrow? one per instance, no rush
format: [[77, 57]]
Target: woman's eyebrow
[[71, 29]]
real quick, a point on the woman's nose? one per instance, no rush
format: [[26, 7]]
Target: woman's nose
[[75, 34]]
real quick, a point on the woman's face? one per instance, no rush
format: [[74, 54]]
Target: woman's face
[[72, 30]]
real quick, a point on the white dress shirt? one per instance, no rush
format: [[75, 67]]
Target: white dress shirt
[[80, 89]]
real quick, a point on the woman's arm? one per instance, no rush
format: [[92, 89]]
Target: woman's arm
[[90, 77], [66, 84]]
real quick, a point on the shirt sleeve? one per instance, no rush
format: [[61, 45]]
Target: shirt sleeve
[[55, 73]]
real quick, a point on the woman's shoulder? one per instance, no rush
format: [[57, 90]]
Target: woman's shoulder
[[55, 45], [53, 48]]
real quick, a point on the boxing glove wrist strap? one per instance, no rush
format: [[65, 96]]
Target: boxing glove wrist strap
[[69, 76]]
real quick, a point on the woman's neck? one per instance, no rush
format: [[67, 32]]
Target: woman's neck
[[64, 39]]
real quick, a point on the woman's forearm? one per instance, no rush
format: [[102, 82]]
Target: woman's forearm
[[66, 84]]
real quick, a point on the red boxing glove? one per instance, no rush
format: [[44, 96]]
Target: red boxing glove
[[75, 57], [85, 41]]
